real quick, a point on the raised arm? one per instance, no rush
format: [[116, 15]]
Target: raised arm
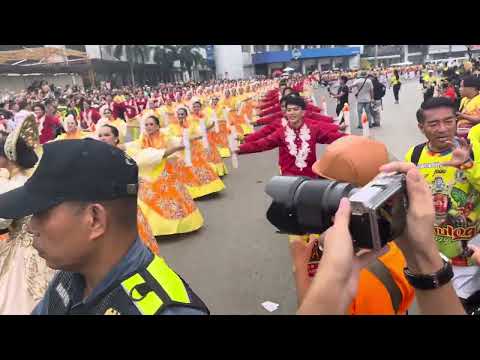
[[268, 143]]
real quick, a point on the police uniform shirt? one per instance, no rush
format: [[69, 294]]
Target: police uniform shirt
[[137, 257]]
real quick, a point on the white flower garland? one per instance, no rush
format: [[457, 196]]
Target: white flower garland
[[40, 124], [302, 153]]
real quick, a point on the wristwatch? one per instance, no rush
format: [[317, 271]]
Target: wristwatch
[[431, 281]]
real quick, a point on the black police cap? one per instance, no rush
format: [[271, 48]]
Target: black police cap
[[73, 170]]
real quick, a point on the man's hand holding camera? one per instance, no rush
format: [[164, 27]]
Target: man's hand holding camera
[[339, 270], [336, 281]]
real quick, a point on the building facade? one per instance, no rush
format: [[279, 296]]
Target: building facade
[[104, 66], [244, 61], [417, 54]]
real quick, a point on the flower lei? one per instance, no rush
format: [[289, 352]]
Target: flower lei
[[40, 124], [302, 153]]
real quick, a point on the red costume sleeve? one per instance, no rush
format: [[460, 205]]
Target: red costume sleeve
[[270, 142], [267, 104], [272, 93], [269, 118], [263, 132], [95, 115], [327, 137], [317, 117], [271, 110]]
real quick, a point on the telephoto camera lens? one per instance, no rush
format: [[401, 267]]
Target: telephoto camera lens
[[304, 206]]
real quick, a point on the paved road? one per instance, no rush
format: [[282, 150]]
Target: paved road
[[236, 261]]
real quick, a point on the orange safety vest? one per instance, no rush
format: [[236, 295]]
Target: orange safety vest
[[383, 288]]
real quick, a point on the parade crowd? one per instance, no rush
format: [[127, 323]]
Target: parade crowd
[[92, 178]]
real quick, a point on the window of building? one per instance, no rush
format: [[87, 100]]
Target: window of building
[[246, 48], [260, 48]]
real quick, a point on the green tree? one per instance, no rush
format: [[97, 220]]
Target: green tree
[[189, 57], [165, 56], [134, 54]]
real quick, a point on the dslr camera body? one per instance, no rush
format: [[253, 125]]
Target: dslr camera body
[[307, 206]]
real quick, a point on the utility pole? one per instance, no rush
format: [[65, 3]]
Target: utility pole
[[376, 55]]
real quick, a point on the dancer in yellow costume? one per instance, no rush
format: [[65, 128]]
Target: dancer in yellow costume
[[24, 275], [220, 137], [162, 198], [73, 132], [212, 153], [228, 104], [200, 178], [108, 119]]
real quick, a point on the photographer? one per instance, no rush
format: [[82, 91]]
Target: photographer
[[336, 281], [383, 288]]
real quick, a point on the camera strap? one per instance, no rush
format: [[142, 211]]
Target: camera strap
[[361, 87], [382, 273], [416, 153]]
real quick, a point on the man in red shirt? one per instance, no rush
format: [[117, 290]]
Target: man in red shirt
[[272, 122], [141, 101], [90, 116], [131, 108], [296, 141], [47, 122], [278, 112], [449, 91]]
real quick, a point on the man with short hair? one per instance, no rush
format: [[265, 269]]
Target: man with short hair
[[86, 227], [341, 95], [449, 165], [468, 115], [364, 97], [296, 140], [378, 93], [278, 119]]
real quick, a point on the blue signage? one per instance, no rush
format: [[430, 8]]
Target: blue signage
[[286, 56]]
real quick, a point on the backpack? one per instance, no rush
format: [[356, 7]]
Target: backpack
[[378, 90]]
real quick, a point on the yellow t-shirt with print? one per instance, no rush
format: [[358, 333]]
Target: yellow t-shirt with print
[[470, 107], [456, 200]]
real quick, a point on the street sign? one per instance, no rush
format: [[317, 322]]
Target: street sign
[[296, 53]]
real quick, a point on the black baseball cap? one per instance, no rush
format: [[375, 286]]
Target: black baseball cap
[[73, 170]]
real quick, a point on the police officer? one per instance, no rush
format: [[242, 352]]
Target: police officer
[[83, 198]]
